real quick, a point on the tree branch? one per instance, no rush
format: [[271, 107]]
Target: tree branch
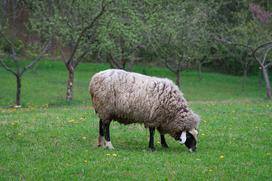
[[222, 40], [38, 58], [63, 56], [7, 68], [113, 61], [169, 66], [269, 44], [102, 11], [266, 53], [80, 58], [268, 65]]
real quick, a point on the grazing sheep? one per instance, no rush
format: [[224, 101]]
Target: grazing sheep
[[134, 98]]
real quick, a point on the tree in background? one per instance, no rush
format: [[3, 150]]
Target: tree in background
[[176, 32], [12, 48], [249, 29], [121, 34], [74, 25]]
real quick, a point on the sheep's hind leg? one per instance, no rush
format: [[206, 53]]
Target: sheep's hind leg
[[151, 139], [101, 135], [163, 142], [106, 127]]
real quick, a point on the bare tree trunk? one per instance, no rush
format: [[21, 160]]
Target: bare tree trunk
[[70, 84], [18, 90], [178, 78], [123, 64], [267, 83], [244, 79]]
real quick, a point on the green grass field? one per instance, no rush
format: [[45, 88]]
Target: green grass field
[[49, 139]]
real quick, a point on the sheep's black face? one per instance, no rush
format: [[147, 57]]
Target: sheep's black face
[[190, 142], [188, 139]]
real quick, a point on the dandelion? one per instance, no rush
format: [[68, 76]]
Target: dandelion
[[84, 137], [198, 159], [222, 157], [114, 154], [202, 134], [158, 142], [85, 161], [108, 154], [71, 121], [210, 170]]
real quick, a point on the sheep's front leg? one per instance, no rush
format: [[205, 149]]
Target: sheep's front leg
[[163, 142], [106, 127], [151, 139], [101, 135]]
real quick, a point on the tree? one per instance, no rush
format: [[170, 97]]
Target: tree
[[175, 33], [74, 25], [250, 31], [121, 34], [13, 49]]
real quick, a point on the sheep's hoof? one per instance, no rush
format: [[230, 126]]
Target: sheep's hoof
[[108, 145], [152, 149]]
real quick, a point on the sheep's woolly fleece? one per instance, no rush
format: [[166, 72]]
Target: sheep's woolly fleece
[[135, 98]]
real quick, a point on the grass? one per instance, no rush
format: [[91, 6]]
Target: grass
[[49, 139]]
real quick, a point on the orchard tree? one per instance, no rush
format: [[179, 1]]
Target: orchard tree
[[14, 48], [251, 32], [175, 33], [121, 34], [74, 25]]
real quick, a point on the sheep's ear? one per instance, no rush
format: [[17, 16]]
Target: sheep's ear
[[194, 132], [183, 137]]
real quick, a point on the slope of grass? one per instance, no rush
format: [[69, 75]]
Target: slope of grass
[[49, 139]]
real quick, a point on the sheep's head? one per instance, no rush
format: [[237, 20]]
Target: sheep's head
[[189, 138]]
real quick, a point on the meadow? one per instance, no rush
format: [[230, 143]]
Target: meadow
[[50, 139]]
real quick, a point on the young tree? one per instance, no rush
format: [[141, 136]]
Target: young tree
[[13, 48], [252, 34], [74, 25], [176, 32], [121, 34]]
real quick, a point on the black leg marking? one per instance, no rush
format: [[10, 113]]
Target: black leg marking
[[151, 139], [101, 135], [106, 128], [101, 131], [163, 142]]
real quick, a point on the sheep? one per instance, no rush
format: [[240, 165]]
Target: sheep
[[157, 103]]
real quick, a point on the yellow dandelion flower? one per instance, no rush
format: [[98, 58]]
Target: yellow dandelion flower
[[71, 121], [158, 142], [222, 157], [108, 154], [84, 137], [210, 170], [114, 154], [85, 161]]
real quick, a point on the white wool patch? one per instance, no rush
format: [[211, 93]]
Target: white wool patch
[[109, 145], [183, 137]]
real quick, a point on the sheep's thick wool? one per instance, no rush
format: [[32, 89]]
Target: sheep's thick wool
[[135, 98]]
